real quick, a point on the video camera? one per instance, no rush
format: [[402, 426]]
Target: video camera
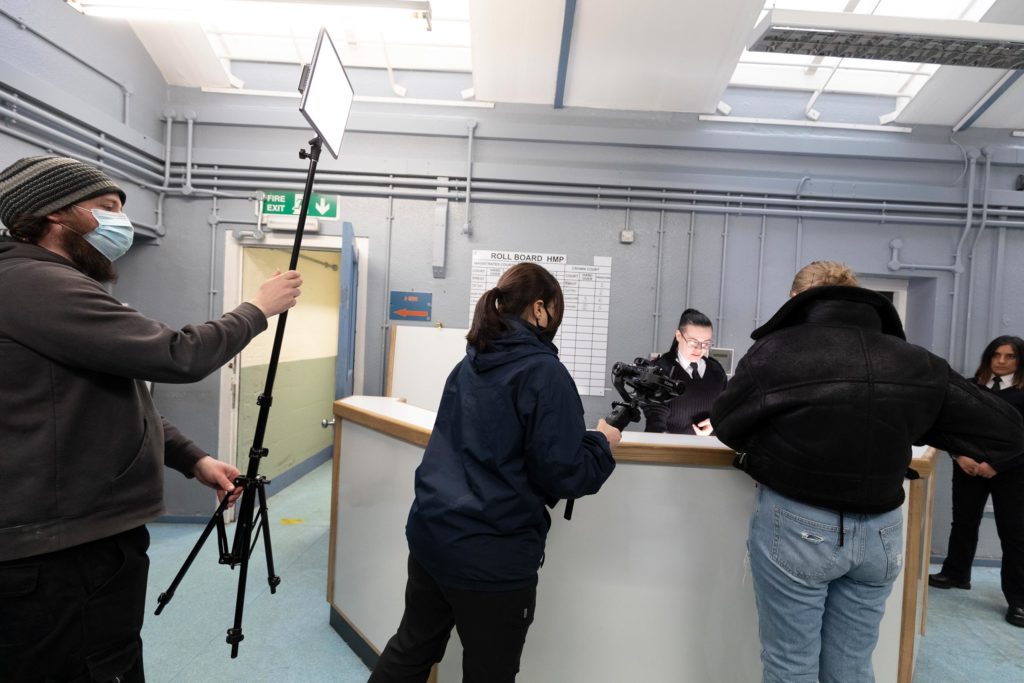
[[641, 384]]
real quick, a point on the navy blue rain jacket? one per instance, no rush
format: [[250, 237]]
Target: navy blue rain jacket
[[509, 435]]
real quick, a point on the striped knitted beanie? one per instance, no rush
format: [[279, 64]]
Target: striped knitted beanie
[[36, 186]]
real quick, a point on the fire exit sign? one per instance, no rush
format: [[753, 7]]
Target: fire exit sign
[[283, 203]]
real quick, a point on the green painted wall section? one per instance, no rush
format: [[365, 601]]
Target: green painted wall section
[[303, 395]]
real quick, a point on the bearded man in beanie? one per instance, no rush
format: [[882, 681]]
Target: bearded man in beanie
[[82, 446]]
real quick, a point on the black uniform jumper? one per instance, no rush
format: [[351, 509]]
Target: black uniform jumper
[[694, 405]]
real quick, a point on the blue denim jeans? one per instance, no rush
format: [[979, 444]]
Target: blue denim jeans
[[819, 603]]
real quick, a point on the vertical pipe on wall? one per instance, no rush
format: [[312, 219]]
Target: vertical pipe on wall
[[719, 329], [190, 120], [970, 255], [657, 282], [995, 303], [760, 272], [957, 268], [467, 226], [799, 247], [168, 127], [689, 259], [385, 326], [213, 254]]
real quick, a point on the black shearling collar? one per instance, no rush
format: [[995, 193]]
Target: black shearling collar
[[854, 306]]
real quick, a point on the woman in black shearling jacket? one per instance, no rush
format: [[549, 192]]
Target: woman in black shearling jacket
[[822, 411]]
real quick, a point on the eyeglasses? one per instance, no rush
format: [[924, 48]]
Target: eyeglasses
[[694, 344]]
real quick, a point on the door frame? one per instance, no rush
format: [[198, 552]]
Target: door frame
[[227, 414]]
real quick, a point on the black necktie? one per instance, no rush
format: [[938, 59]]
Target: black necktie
[[693, 371], [996, 382]]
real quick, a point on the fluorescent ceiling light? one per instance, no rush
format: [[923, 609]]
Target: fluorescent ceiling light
[[863, 36], [320, 12]]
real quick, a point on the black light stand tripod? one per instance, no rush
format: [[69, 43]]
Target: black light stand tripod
[[253, 484]]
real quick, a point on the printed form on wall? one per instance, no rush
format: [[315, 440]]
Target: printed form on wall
[[582, 339]]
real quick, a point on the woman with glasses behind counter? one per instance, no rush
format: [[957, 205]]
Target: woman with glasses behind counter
[[704, 377]]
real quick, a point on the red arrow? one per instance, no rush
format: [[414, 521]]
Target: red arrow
[[406, 313]]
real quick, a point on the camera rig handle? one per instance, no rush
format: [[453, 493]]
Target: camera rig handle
[[623, 413], [640, 384]]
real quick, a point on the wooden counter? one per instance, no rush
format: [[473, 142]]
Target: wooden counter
[[648, 581]]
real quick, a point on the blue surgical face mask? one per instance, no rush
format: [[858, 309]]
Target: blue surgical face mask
[[114, 234]]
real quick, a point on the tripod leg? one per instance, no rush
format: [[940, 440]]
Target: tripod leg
[[272, 578], [240, 555], [218, 520]]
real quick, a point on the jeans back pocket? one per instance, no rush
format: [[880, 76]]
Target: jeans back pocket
[[804, 548]]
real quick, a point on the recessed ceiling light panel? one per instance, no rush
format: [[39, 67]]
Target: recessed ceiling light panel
[[898, 39]]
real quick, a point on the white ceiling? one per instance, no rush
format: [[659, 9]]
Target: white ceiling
[[646, 55]]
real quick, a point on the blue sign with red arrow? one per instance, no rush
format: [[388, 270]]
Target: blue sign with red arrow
[[415, 306]]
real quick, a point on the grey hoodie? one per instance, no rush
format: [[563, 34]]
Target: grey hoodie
[[81, 443]]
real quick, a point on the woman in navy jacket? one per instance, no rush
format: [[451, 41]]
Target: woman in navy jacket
[[509, 438], [1002, 372]]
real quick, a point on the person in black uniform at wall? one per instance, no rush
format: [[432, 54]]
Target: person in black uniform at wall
[[1000, 371], [688, 360], [508, 439]]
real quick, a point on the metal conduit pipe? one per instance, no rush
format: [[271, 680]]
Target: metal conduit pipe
[[579, 190], [190, 119], [125, 92], [686, 195], [125, 150], [958, 265], [970, 254], [213, 220], [113, 170], [719, 329], [798, 247], [297, 177], [347, 190], [514, 199], [753, 211], [168, 127], [760, 271], [691, 197], [584, 191], [689, 257], [657, 282], [161, 230], [390, 219], [996, 300], [257, 233], [92, 147], [467, 226]]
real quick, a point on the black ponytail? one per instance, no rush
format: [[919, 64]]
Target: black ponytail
[[518, 288], [691, 316]]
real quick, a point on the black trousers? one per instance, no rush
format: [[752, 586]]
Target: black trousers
[[491, 625], [74, 616], [969, 497]]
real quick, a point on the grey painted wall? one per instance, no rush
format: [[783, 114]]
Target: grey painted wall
[[169, 278]]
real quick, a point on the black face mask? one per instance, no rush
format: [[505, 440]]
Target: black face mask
[[545, 332], [548, 332]]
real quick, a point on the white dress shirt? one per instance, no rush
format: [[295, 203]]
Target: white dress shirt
[[685, 363], [1004, 381]]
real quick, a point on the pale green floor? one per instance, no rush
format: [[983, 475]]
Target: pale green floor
[[288, 638], [287, 635]]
